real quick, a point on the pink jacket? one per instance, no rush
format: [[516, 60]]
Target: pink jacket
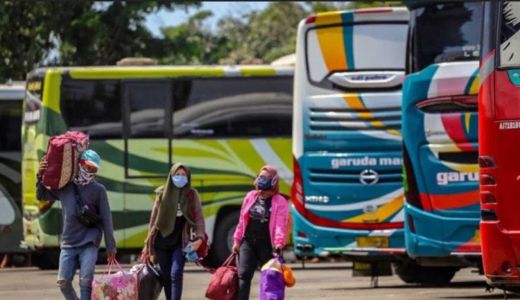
[[277, 222]]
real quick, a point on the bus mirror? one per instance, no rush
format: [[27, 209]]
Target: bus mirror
[[368, 79]]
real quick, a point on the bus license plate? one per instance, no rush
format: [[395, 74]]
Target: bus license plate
[[372, 241]]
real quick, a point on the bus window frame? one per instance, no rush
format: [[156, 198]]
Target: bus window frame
[[494, 39], [272, 77], [498, 29], [324, 84], [411, 59], [125, 111]]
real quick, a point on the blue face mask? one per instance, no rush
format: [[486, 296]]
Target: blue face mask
[[263, 183], [179, 181]]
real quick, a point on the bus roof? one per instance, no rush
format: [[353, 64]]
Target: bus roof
[[122, 72], [359, 15], [12, 91]]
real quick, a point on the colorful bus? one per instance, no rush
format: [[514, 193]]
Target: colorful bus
[[347, 191], [439, 114], [499, 133], [223, 122], [11, 231]]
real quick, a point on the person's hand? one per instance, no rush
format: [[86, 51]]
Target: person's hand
[[144, 254], [111, 257], [236, 248], [196, 244], [43, 165]]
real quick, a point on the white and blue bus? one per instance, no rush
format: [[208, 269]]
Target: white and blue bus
[[348, 187]]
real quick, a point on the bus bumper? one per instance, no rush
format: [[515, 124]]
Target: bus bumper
[[501, 259], [313, 240], [432, 235]]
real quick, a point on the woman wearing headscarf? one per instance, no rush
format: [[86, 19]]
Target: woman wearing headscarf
[[262, 227], [176, 211]]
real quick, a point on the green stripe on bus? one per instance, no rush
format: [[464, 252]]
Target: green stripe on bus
[[115, 156], [198, 153], [52, 122], [258, 72], [139, 72], [248, 155]]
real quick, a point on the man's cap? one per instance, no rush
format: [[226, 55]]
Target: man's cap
[[91, 157]]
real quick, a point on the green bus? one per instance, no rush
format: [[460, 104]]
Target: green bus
[[225, 122]]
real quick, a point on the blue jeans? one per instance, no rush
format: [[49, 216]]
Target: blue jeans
[[83, 257], [172, 268]]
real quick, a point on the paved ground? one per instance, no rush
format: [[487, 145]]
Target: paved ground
[[317, 281]]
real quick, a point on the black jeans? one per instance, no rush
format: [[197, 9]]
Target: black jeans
[[252, 252], [172, 268]]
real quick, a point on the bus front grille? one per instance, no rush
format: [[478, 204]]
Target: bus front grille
[[347, 120], [393, 175]]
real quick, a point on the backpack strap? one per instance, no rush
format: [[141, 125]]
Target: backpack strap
[[77, 194]]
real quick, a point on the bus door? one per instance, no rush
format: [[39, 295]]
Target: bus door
[[147, 123]]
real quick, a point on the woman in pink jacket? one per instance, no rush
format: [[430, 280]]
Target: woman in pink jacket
[[261, 229]]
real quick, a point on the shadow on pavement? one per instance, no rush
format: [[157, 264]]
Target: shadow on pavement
[[487, 296], [453, 285]]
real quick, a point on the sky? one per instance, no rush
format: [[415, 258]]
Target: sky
[[165, 18]]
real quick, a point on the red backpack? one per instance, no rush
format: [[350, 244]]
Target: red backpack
[[63, 152], [224, 284]]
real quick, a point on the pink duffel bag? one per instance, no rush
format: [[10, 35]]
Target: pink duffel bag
[[63, 152], [121, 285]]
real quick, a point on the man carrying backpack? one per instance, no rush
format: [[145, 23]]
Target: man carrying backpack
[[86, 216]]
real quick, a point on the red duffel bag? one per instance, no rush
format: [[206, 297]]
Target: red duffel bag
[[224, 284], [63, 152]]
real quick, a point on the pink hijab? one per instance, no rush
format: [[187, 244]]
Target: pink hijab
[[273, 173]]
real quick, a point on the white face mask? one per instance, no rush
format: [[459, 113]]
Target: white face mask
[[84, 177]]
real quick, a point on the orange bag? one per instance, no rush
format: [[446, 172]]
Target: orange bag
[[288, 276]]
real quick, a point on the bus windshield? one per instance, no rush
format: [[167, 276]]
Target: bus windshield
[[366, 42], [445, 33]]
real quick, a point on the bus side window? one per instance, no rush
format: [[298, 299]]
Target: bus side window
[[92, 106], [10, 118], [233, 107], [148, 103], [509, 35]]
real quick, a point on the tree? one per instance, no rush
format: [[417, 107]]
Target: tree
[[78, 32], [265, 36], [190, 42], [367, 4], [103, 35], [24, 37]]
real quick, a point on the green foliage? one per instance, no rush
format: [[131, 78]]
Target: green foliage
[[86, 32], [190, 42], [366, 4], [317, 7], [269, 34], [24, 37], [71, 32]]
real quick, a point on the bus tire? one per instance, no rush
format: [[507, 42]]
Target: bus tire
[[47, 259], [437, 276], [225, 229], [411, 272], [407, 271]]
